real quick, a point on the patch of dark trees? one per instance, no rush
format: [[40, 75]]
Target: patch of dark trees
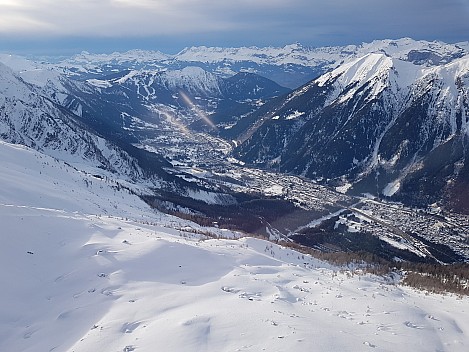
[[335, 244], [330, 237], [252, 213], [429, 277]]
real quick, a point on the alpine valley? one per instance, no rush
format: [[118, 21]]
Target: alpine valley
[[145, 192]]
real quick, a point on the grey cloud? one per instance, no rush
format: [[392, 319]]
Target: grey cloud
[[262, 22]]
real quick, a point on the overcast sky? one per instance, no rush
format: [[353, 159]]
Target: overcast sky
[[70, 26]]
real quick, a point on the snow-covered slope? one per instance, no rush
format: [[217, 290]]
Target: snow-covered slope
[[39, 74], [88, 266], [374, 115], [35, 180], [193, 80], [448, 85], [31, 119], [376, 70]]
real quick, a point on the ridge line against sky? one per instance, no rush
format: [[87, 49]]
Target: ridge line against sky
[[71, 26]]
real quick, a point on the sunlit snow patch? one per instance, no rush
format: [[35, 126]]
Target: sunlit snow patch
[[99, 83], [391, 188], [294, 115], [343, 189], [275, 190]]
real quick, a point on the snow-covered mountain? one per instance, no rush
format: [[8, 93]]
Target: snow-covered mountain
[[289, 66], [404, 49], [350, 124], [193, 80], [86, 265], [119, 122], [152, 95], [118, 112], [34, 120], [200, 71], [376, 119]]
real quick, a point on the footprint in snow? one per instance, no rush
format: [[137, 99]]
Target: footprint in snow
[[64, 315], [369, 344], [229, 289], [344, 315], [302, 289], [28, 334], [129, 328], [412, 325], [250, 296]]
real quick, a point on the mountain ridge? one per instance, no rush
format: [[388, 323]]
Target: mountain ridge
[[359, 107], [30, 119], [301, 62]]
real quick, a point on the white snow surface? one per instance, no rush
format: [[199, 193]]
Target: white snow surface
[[87, 266], [376, 70], [359, 70], [194, 79], [391, 188], [19, 63], [452, 98]]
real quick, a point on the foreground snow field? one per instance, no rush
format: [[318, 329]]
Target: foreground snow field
[[87, 266]]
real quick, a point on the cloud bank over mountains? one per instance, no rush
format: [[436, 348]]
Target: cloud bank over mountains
[[228, 23]]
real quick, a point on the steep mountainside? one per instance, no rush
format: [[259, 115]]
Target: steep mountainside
[[429, 141], [153, 95], [29, 118], [386, 125]]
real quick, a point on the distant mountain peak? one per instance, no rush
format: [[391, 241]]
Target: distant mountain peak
[[359, 70]]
